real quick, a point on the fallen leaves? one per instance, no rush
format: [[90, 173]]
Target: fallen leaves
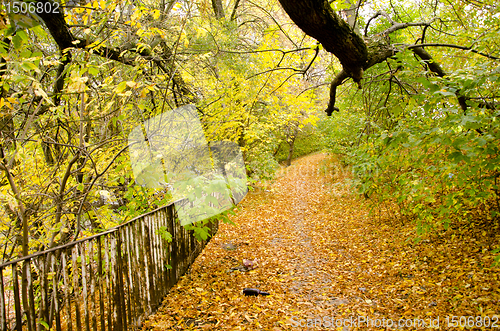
[[321, 255]]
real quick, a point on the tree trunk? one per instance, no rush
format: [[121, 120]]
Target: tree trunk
[[291, 145], [291, 142], [218, 9], [352, 14]]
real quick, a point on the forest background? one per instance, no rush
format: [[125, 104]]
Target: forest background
[[418, 125]]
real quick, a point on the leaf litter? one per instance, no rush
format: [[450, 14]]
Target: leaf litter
[[322, 255]]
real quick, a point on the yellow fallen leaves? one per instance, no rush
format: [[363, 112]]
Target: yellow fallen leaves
[[321, 255]]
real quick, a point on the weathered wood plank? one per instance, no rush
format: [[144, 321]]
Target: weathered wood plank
[[43, 314], [85, 290], [24, 288], [119, 263], [108, 283], [92, 281], [55, 290], [76, 286], [100, 289], [139, 271], [3, 316], [117, 318], [129, 269], [67, 293], [144, 244], [17, 301]]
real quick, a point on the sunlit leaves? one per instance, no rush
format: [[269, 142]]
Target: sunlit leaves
[[77, 84]]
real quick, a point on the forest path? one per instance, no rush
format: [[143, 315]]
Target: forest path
[[324, 260], [294, 227]]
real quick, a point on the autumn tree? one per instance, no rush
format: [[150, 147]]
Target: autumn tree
[[73, 87]]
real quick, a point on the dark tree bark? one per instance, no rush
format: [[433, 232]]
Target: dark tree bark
[[235, 8], [291, 146], [317, 19], [58, 28], [218, 9], [436, 68]]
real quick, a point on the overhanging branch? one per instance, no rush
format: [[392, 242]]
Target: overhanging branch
[[454, 46], [317, 19]]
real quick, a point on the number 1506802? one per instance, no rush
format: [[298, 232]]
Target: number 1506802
[[25, 8]]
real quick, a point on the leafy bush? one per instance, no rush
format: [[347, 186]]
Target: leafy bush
[[261, 163], [439, 164], [342, 132]]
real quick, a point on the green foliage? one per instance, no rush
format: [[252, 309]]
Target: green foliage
[[439, 164], [342, 132], [262, 163], [44, 324], [200, 229], [497, 258], [309, 140], [423, 148], [163, 232]]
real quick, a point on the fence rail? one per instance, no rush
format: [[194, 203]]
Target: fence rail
[[110, 281]]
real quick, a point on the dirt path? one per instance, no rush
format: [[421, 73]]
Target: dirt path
[[322, 259], [281, 226]]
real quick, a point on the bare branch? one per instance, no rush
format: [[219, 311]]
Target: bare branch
[[22, 211], [337, 81], [453, 46], [400, 26], [316, 51], [299, 71], [377, 14], [275, 22], [265, 50], [233, 14]]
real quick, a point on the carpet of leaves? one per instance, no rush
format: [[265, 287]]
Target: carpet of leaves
[[321, 255]]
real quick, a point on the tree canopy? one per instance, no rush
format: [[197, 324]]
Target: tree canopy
[[77, 80], [415, 84]]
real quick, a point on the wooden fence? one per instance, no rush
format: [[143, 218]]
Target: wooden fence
[[110, 281]]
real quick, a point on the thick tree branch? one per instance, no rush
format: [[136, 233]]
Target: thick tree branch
[[59, 83], [108, 52], [377, 53], [57, 26], [317, 19], [337, 81], [59, 30], [400, 26], [377, 14], [429, 61], [436, 68]]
